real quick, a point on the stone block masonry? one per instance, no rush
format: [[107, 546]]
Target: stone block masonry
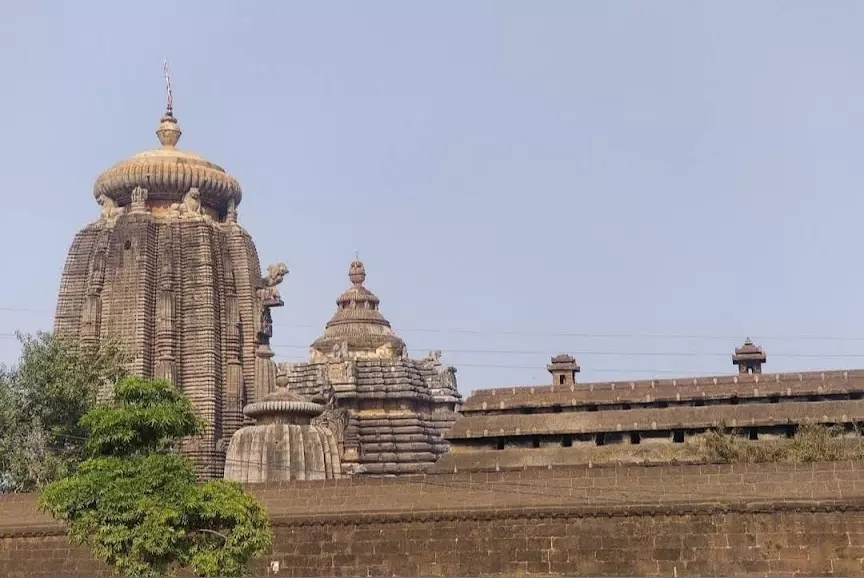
[[632, 543], [758, 519]]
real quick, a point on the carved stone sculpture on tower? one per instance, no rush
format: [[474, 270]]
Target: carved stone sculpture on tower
[[268, 293], [139, 200], [168, 272], [109, 209]]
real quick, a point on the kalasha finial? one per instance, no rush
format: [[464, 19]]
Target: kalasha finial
[[169, 131], [357, 272], [169, 97]]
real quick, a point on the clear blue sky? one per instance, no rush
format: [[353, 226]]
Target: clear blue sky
[[527, 167]]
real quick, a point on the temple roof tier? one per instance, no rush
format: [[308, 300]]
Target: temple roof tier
[[358, 329], [282, 402]]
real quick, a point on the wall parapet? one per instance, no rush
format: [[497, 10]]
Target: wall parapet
[[568, 512], [731, 519]]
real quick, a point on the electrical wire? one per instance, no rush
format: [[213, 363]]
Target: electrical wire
[[524, 333], [583, 352]]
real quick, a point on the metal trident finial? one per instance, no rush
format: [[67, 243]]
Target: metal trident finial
[[356, 255], [169, 102]]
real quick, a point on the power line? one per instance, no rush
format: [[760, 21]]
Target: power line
[[606, 352], [525, 333], [458, 365], [531, 367], [579, 352]]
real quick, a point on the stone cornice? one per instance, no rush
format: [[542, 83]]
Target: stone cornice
[[538, 513], [576, 511]]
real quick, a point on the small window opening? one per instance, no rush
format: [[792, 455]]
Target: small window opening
[[600, 440], [663, 404], [774, 399], [754, 435], [856, 395], [535, 442], [678, 436], [635, 438], [734, 400], [625, 406], [500, 445], [567, 441], [556, 409], [790, 430], [699, 402], [560, 380], [592, 408], [127, 245]]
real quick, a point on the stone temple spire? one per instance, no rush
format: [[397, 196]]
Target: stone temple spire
[[284, 443], [358, 330], [168, 272]]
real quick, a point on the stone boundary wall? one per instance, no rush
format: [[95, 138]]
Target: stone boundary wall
[[754, 519], [749, 387], [654, 419]]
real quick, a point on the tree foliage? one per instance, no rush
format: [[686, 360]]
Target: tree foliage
[[42, 399], [136, 503]]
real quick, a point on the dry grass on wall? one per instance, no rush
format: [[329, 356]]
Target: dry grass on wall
[[812, 443]]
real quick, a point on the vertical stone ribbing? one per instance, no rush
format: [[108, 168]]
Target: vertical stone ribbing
[[200, 358], [233, 403], [166, 360], [147, 299], [247, 274], [220, 330], [128, 295], [180, 294], [249, 298], [91, 316], [71, 296]]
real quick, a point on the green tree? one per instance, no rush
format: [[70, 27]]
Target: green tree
[[135, 502], [42, 399]]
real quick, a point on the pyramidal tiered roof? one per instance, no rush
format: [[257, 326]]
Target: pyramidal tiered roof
[[358, 330]]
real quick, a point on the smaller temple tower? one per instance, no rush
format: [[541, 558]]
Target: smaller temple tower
[[749, 358], [563, 368], [283, 444], [389, 412]]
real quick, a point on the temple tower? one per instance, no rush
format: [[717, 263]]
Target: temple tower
[[167, 270], [563, 368], [389, 412], [284, 444]]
